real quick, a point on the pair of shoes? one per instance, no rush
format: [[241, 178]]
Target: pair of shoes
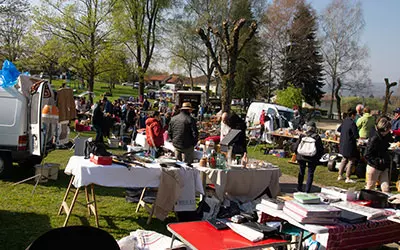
[[350, 181], [340, 178]]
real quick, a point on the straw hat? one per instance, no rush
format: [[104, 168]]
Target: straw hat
[[186, 105]]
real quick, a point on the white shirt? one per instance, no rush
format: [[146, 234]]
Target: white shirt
[[224, 130]]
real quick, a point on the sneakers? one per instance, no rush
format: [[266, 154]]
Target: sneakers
[[340, 178], [350, 181]]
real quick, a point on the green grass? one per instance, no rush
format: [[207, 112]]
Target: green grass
[[322, 175], [100, 88]]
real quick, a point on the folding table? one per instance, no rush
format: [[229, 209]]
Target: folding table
[[201, 235], [344, 236], [85, 174]]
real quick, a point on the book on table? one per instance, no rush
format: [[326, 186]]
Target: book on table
[[317, 210], [275, 203], [309, 219], [370, 212], [306, 198], [351, 217]]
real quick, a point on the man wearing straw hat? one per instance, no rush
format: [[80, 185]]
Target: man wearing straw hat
[[184, 134]]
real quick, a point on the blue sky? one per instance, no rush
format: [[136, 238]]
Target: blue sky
[[381, 35]]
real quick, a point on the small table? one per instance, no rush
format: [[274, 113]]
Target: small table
[[201, 235]]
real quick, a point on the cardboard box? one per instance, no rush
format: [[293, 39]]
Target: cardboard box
[[47, 171], [101, 160]]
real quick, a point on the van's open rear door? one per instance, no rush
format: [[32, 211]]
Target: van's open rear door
[[36, 140]]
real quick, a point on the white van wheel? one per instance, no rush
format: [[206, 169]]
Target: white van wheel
[[5, 164]]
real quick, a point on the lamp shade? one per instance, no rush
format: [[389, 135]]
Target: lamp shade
[[50, 113]]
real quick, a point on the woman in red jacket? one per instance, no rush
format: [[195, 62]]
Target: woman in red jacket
[[154, 133]]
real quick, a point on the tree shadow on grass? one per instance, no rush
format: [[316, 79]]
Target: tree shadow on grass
[[18, 230]]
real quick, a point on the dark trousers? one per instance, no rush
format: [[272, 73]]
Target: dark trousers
[[311, 169], [99, 133]]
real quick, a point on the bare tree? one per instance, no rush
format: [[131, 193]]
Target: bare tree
[[342, 23], [388, 94], [273, 30], [226, 67]]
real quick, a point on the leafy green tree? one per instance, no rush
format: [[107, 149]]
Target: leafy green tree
[[302, 66], [14, 24], [290, 97], [249, 64], [45, 54], [137, 23], [83, 26]]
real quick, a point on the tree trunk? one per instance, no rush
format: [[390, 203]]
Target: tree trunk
[[387, 94], [91, 86], [332, 98], [338, 99], [227, 86]]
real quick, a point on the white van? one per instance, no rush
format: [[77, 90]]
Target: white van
[[21, 128], [283, 114]]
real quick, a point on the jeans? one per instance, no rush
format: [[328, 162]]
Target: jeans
[[311, 169], [186, 154], [346, 163], [99, 133]]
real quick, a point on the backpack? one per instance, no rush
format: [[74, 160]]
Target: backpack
[[307, 146], [95, 148]]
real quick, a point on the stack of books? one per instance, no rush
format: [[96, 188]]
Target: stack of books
[[306, 198], [275, 203], [311, 213]]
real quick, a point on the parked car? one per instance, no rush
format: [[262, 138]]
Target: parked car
[[132, 84]]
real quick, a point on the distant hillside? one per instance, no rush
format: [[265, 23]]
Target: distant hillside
[[377, 90]]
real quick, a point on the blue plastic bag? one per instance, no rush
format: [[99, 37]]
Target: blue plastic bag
[[8, 75]]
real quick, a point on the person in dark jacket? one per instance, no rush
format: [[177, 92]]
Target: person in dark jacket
[[348, 145], [308, 161], [377, 156], [97, 121], [154, 133], [235, 122], [183, 132]]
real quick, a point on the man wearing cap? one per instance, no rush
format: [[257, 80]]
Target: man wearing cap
[[184, 134]]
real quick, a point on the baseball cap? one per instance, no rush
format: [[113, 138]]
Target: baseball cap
[[397, 110]]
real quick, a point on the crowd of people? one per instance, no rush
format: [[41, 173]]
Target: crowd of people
[[375, 135]]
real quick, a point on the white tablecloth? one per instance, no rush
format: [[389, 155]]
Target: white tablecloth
[[196, 155], [86, 172]]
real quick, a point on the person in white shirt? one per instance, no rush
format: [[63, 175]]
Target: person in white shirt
[[224, 126]]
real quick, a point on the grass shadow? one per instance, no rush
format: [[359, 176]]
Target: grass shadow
[[13, 236]]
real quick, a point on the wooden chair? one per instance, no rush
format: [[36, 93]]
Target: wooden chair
[[147, 205]]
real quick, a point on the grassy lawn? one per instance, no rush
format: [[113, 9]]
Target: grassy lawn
[[322, 175]]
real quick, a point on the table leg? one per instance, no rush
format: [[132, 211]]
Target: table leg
[[204, 182], [300, 241], [93, 205], [69, 210], [66, 195], [172, 240], [87, 201]]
